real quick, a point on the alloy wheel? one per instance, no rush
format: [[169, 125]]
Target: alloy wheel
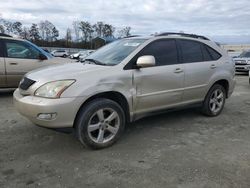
[[216, 101], [103, 125]]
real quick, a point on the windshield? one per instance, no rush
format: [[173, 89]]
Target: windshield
[[115, 52], [245, 54]]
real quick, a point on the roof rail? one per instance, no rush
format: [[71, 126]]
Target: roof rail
[[183, 34], [131, 36], [4, 35]]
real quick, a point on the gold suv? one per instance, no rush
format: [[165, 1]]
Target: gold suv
[[126, 80]]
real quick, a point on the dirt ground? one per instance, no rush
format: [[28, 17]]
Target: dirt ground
[[179, 149]]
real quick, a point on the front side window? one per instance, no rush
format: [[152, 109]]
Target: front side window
[[18, 49], [164, 51], [191, 51]]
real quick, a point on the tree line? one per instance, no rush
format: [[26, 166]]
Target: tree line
[[79, 35]]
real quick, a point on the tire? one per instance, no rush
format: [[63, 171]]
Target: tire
[[64, 55], [212, 105], [100, 123]]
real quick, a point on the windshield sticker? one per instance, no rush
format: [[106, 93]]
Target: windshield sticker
[[132, 44]]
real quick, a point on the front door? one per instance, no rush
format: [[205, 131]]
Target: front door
[[160, 86], [20, 58]]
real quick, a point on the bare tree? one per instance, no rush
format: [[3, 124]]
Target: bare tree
[[17, 28], [76, 29], [108, 30], [125, 32], [48, 31], [42, 28], [25, 33], [87, 30], [2, 29], [8, 27], [34, 32], [68, 37], [98, 27]]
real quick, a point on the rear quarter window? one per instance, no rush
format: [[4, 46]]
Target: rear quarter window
[[214, 54]]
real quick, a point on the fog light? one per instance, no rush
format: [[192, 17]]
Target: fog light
[[48, 116]]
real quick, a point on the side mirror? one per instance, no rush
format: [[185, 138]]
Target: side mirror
[[42, 57], [145, 61]]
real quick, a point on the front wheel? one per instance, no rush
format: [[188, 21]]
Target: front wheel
[[100, 123], [214, 101]]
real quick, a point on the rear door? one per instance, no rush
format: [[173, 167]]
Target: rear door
[[199, 65], [21, 57], [2, 66]]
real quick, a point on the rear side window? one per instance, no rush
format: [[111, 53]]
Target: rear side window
[[191, 51], [164, 51]]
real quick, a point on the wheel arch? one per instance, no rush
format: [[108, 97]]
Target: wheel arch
[[112, 95], [224, 83]]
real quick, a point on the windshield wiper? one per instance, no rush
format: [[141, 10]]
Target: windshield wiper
[[95, 62]]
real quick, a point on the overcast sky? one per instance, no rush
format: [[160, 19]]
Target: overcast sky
[[223, 20]]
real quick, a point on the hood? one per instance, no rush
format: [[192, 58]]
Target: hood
[[63, 71], [55, 60]]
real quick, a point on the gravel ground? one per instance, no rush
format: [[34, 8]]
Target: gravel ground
[[179, 149]]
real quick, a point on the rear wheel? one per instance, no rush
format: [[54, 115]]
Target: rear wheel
[[100, 123], [214, 101]]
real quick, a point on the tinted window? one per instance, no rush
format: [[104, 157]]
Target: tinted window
[[164, 51], [17, 49], [206, 54], [215, 55], [191, 51], [1, 49]]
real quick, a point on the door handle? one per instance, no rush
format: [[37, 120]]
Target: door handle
[[178, 70], [213, 66], [13, 63]]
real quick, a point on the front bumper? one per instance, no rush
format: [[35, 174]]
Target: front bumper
[[64, 108]]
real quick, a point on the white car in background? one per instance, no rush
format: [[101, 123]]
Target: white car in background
[[78, 54], [242, 62], [60, 53], [86, 53]]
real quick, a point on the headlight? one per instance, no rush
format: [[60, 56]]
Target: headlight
[[53, 89]]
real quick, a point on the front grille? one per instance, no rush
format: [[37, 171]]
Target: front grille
[[240, 62], [26, 83], [240, 68]]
